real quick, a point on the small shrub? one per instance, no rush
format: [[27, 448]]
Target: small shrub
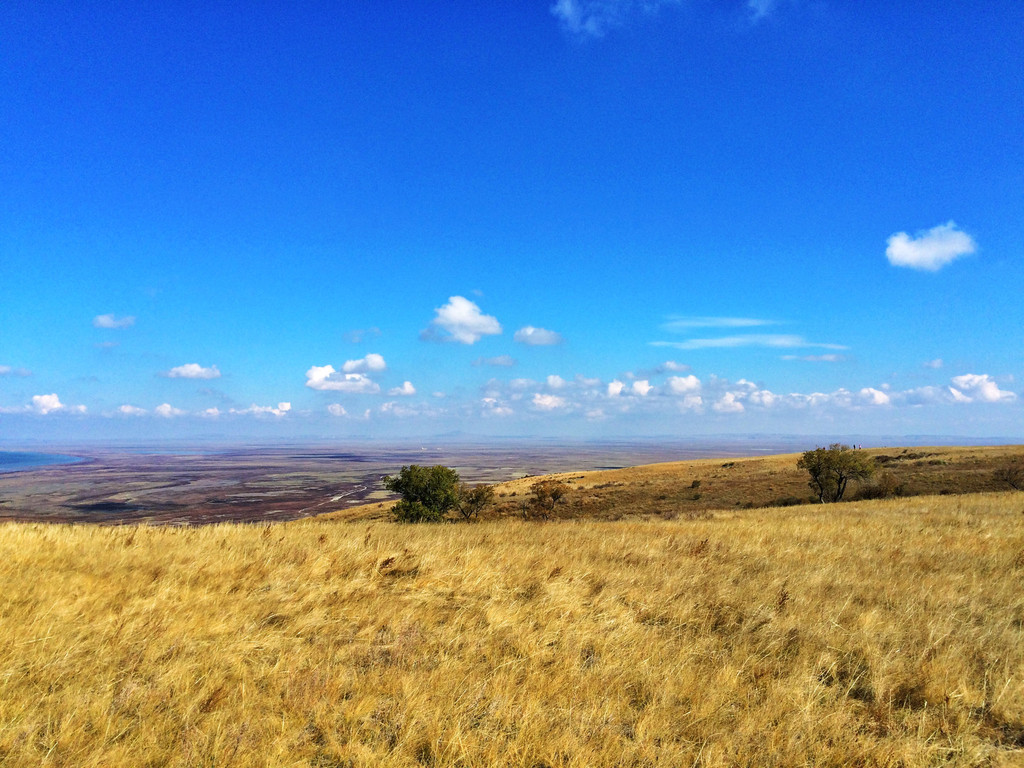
[[1012, 475], [886, 486], [787, 501]]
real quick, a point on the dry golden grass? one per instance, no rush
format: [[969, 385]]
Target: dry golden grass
[[873, 633]]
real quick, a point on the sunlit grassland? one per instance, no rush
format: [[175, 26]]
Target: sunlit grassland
[[872, 633]]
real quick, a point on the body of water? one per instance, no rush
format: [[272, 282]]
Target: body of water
[[12, 461]]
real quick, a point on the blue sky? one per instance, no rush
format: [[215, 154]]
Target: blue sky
[[583, 218]]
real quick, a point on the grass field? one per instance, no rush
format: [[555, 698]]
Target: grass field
[[871, 633]]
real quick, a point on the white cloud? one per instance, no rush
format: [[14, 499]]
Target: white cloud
[[683, 385], [873, 396], [764, 398], [936, 363], [501, 361], [210, 413], [131, 410], [978, 387], [958, 396], [336, 409], [462, 321], [405, 390], [615, 388], [548, 402], [782, 341], [109, 321], [372, 363], [930, 250], [167, 411], [264, 410], [324, 378], [44, 404], [192, 371], [728, 403], [555, 381], [641, 387], [537, 337], [6, 370]]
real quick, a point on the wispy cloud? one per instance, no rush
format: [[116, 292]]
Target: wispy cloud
[[537, 337], [828, 358], [462, 321], [109, 321], [360, 334], [929, 250], [501, 361], [595, 18], [6, 370], [760, 9], [681, 324], [781, 341], [192, 371]]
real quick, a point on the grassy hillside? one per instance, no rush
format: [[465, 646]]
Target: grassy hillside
[[696, 488], [872, 633]]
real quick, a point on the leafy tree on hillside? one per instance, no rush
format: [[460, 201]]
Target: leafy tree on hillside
[[833, 467], [546, 494], [472, 501], [428, 493]]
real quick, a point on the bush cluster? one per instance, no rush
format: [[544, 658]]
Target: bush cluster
[[429, 494]]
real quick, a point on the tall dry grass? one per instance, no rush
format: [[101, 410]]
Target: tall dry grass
[[878, 633]]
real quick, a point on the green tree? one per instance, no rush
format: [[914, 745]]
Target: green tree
[[428, 493], [833, 467]]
